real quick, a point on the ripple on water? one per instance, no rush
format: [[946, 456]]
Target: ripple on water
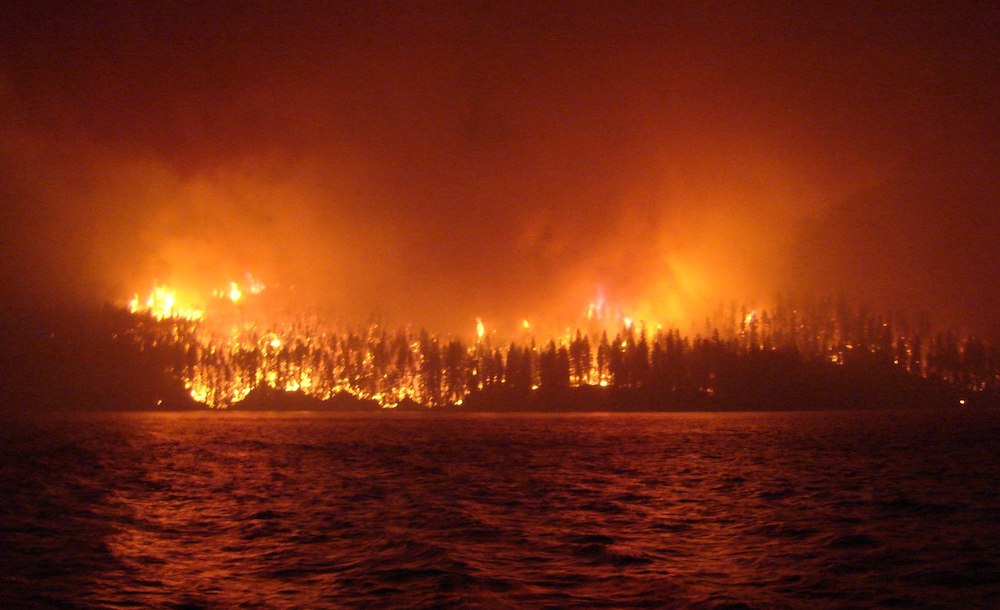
[[703, 511]]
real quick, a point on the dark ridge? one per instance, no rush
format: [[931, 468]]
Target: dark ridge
[[73, 359], [110, 359], [266, 398]]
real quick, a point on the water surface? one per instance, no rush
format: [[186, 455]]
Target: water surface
[[728, 510]]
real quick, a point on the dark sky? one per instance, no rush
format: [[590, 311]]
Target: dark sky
[[434, 162]]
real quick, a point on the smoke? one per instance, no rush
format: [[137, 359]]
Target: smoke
[[434, 166]]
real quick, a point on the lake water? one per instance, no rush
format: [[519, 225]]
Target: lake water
[[727, 510]]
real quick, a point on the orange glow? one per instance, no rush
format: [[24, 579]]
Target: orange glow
[[255, 286], [162, 304], [222, 354]]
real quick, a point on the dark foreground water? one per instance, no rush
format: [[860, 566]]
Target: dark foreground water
[[220, 510]]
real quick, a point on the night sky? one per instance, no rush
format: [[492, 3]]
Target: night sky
[[433, 162]]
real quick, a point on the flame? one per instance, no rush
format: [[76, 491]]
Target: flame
[[221, 365], [162, 304], [299, 357], [254, 285]]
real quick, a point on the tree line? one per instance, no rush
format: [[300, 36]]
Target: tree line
[[741, 352]]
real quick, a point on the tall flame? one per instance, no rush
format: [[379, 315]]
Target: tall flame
[[162, 304], [221, 359]]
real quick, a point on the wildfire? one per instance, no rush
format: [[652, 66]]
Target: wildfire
[[221, 367], [254, 285], [162, 304], [222, 354], [300, 359]]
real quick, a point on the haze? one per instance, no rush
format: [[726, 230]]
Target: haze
[[435, 162]]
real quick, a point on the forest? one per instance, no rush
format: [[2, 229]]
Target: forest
[[823, 355]]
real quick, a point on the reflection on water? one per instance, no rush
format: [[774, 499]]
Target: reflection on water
[[692, 510]]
